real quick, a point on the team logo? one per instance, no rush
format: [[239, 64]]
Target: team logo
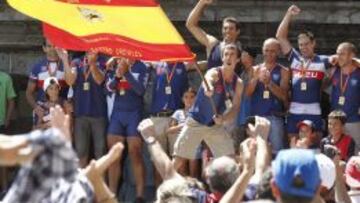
[[353, 82], [93, 16], [276, 77]]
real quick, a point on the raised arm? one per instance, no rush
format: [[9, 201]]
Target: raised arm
[[251, 86], [192, 25], [283, 29], [70, 75], [96, 73], [159, 157]]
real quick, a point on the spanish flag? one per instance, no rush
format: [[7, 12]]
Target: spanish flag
[[136, 29]]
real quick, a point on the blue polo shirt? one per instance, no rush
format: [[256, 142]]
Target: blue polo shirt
[[133, 87], [178, 83], [92, 102]]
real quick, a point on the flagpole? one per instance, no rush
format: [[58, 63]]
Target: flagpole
[[206, 86]]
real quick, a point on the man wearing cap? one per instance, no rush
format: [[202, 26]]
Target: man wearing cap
[[307, 135], [214, 48], [296, 176], [352, 177], [268, 89]]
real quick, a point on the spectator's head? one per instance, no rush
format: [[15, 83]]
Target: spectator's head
[[221, 174], [327, 173], [336, 122], [352, 172], [296, 176], [189, 97], [51, 88], [307, 131], [346, 51], [230, 29], [49, 50], [271, 50], [306, 42], [264, 189], [248, 56], [175, 191], [231, 55]]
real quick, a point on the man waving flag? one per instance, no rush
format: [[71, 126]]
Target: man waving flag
[[136, 29]]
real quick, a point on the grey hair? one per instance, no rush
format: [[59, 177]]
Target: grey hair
[[175, 190], [221, 174]]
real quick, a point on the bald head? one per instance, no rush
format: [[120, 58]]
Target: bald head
[[271, 50], [348, 47], [346, 51]]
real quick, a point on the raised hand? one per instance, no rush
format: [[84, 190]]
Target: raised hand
[[294, 10], [62, 53], [61, 121], [206, 2], [147, 130], [248, 149], [261, 128], [92, 58]]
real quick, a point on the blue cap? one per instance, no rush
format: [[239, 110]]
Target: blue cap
[[296, 172]]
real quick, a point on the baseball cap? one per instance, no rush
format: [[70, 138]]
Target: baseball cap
[[352, 172], [307, 123], [327, 170], [296, 172], [49, 81]]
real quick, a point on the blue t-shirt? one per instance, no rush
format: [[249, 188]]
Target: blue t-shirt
[[352, 94], [44, 69], [261, 106], [202, 110], [130, 90], [89, 102], [178, 82]]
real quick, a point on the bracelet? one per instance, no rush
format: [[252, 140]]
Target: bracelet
[[112, 196]]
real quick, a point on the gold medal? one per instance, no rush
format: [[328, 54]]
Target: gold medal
[[266, 94], [86, 86], [168, 90], [342, 100], [122, 91], [303, 86]]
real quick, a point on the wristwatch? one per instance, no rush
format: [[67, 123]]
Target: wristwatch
[[150, 140]]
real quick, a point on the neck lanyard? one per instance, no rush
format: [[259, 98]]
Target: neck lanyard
[[343, 86], [304, 67], [170, 76], [227, 93], [86, 71]]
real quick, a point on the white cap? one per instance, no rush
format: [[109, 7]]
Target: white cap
[[49, 81], [327, 170]]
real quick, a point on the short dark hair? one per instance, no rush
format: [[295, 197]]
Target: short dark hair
[[233, 20], [307, 34], [338, 115], [232, 46], [286, 198]]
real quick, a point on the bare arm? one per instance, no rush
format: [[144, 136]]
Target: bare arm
[[30, 90], [161, 161], [192, 25], [283, 29], [9, 111], [251, 86], [341, 194], [98, 75], [230, 115], [281, 91], [70, 75], [174, 126]]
